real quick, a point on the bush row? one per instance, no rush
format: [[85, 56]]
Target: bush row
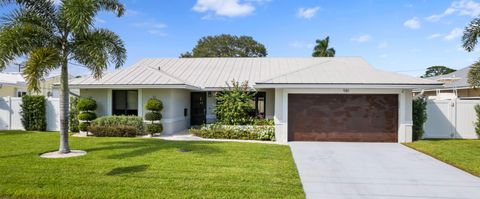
[[34, 113], [241, 132], [113, 131]]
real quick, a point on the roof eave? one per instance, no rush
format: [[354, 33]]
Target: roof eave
[[341, 85], [133, 86]]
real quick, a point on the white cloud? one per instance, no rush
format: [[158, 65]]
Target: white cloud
[[308, 13], [153, 27], [382, 45], [455, 33], [361, 38], [461, 8], [412, 23], [224, 8], [299, 44], [435, 35]]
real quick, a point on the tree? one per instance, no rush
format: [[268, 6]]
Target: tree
[[322, 50], [433, 71], [470, 40], [50, 35], [225, 45], [234, 104]]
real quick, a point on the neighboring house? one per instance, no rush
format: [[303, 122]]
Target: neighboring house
[[332, 99], [455, 86], [13, 85]]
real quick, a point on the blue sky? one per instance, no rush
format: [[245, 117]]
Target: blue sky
[[402, 36]]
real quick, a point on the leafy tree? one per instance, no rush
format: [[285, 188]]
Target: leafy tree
[[470, 40], [322, 50], [433, 71], [50, 35], [225, 45], [234, 104]]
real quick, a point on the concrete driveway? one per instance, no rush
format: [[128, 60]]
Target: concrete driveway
[[377, 170]]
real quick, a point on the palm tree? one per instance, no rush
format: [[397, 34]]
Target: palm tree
[[322, 50], [50, 35], [470, 40]]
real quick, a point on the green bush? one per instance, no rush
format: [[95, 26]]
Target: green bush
[[263, 122], [73, 117], [154, 128], [113, 131], [154, 104], [247, 132], [87, 116], [419, 117], [33, 113], [83, 126], [120, 120], [234, 104], [86, 104], [477, 123], [153, 116]]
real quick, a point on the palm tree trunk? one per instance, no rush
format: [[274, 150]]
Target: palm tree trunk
[[64, 101]]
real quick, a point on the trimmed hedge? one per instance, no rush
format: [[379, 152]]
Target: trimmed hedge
[[73, 117], [88, 116], [152, 116], [477, 123], [154, 105], [241, 132], [113, 131], [83, 126], [120, 120], [419, 117], [86, 104], [34, 113], [153, 128]]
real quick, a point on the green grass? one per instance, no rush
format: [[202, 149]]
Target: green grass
[[463, 154], [144, 168]]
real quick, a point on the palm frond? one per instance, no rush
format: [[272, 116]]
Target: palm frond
[[470, 35], [78, 15], [40, 62], [112, 6], [97, 49]]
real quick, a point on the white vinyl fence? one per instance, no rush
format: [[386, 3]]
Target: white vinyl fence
[[10, 118], [453, 118]]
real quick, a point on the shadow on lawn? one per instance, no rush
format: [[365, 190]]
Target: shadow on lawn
[[130, 169], [141, 147]]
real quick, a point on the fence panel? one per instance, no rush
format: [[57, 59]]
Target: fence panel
[[10, 118], [466, 117]]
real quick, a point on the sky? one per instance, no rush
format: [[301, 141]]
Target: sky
[[405, 36]]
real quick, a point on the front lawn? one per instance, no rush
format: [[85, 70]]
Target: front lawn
[[464, 154], [144, 168]]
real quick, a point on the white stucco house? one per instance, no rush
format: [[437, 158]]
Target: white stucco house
[[323, 99]]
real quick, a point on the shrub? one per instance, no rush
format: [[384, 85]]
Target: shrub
[[477, 123], [153, 116], [154, 128], [33, 113], [154, 104], [73, 117], [86, 104], [234, 104], [263, 122], [87, 116], [120, 120], [419, 117], [83, 126], [247, 132], [113, 131]]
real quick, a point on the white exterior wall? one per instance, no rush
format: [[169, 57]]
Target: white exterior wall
[[11, 119], [174, 103], [404, 112]]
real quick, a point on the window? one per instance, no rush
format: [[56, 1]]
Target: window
[[259, 104], [125, 102], [20, 92]]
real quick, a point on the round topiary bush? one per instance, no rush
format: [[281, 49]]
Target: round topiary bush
[[153, 116], [88, 116], [83, 126], [86, 104], [154, 128], [154, 104]]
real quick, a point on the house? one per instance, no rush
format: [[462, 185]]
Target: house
[[14, 85], [330, 99], [455, 86]]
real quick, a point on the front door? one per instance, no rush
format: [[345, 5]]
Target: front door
[[198, 108]]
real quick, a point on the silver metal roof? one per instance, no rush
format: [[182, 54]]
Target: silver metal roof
[[211, 73]]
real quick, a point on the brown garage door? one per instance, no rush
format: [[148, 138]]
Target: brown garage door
[[339, 117]]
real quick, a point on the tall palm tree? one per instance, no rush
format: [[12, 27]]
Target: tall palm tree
[[322, 50], [470, 40], [50, 34]]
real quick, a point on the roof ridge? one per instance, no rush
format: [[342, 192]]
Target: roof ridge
[[295, 71], [159, 70]]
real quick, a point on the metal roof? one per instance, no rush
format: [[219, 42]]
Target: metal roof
[[212, 73], [457, 79]]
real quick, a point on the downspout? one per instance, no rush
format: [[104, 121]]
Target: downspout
[[419, 94]]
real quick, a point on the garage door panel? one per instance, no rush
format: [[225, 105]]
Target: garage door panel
[[338, 117]]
